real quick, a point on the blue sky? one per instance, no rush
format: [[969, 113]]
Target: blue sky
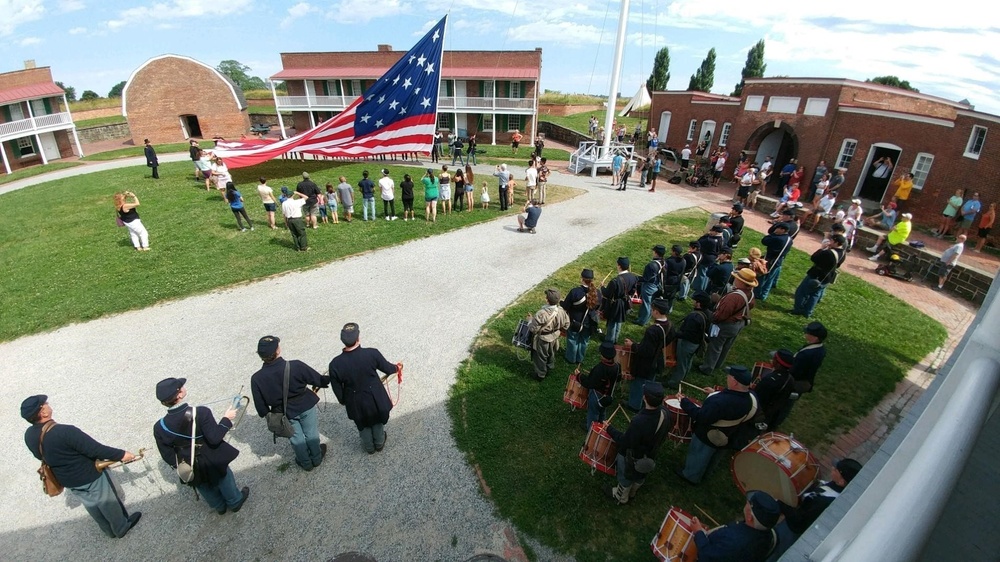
[[92, 45]]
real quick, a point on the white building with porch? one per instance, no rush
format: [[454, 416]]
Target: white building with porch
[[35, 123]]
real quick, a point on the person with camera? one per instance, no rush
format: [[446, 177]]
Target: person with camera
[[267, 387], [212, 476], [70, 454], [126, 203], [637, 445]]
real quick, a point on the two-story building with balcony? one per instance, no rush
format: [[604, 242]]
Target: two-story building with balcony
[[850, 125], [35, 124], [489, 94]]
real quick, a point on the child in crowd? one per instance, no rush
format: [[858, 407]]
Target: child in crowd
[[331, 202], [485, 197], [321, 206]]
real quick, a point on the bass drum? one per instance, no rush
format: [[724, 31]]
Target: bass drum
[[777, 464]]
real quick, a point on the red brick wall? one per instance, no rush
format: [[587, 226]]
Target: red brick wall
[[167, 88], [18, 78]]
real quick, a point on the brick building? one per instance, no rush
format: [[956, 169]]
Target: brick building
[[487, 93], [171, 98], [848, 124], [35, 124]]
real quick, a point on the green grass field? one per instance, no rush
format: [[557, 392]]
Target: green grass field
[[98, 121], [580, 122], [526, 441], [64, 260], [35, 171]]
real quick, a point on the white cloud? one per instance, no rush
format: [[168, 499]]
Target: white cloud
[[165, 12], [363, 11], [559, 33], [71, 5], [297, 11], [29, 41], [18, 12], [77, 30]]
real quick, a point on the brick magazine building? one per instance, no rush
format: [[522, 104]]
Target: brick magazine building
[[848, 124], [35, 124], [171, 98], [486, 93]]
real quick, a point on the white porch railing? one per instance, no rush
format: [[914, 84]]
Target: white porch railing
[[446, 103], [41, 124]]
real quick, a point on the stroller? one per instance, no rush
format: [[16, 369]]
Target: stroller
[[896, 268], [702, 176]]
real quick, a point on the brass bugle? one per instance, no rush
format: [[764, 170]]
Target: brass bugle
[[101, 465]]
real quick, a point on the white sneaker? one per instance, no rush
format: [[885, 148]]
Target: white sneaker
[[873, 258], [872, 249], [386, 218], [394, 218]]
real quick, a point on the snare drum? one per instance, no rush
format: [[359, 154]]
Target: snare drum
[[575, 394], [675, 541], [759, 371], [683, 425], [522, 336], [600, 451], [623, 356], [777, 464]]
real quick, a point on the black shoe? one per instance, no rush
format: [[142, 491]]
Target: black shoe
[[221, 510], [537, 378], [322, 450], [246, 494], [680, 474], [132, 520], [382, 446]]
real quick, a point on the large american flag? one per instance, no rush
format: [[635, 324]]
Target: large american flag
[[397, 114]]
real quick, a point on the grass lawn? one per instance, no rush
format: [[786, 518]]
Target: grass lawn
[[526, 441], [35, 171], [99, 103], [134, 151], [64, 260], [580, 122], [98, 121]]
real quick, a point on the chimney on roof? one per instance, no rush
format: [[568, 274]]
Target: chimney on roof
[[384, 48], [29, 64]]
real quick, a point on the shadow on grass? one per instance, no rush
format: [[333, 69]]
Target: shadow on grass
[[526, 441]]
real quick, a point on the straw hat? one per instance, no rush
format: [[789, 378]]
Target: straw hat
[[747, 276]]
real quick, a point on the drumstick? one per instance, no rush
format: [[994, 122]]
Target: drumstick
[[709, 517], [700, 389]]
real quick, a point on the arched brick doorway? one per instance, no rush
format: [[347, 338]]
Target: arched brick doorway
[[776, 139]]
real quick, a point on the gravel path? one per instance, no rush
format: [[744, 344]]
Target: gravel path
[[421, 303]]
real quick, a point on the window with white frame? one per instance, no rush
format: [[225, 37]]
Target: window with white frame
[[847, 150], [488, 88], [515, 90], [782, 104], [691, 129], [724, 137], [754, 103], [816, 106], [25, 146], [921, 167], [976, 141], [513, 122], [487, 123], [445, 121], [16, 112], [356, 88]]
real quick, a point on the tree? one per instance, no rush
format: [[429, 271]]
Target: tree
[[754, 68], [658, 79], [704, 78], [70, 91], [239, 73], [116, 90], [893, 81], [89, 95]]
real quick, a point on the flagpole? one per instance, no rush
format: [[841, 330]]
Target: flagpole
[[615, 78]]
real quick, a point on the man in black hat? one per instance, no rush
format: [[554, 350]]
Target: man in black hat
[[716, 420], [750, 540], [71, 453], [600, 383], [673, 272], [358, 386], [647, 355], [826, 262], [581, 305], [653, 276], [775, 386], [692, 334], [616, 299], [736, 222], [709, 245], [547, 324], [805, 364], [691, 260], [812, 503], [777, 243], [637, 446], [213, 478], [152, 161], [267, 388], [720, 272]]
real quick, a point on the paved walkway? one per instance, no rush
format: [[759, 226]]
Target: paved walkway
[[418, 499]]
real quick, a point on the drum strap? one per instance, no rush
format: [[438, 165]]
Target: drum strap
[[734, 423]]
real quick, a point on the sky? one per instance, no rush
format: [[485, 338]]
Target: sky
[[93, 45]]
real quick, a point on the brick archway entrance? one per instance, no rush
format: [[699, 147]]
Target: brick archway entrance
[[776, 139]]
